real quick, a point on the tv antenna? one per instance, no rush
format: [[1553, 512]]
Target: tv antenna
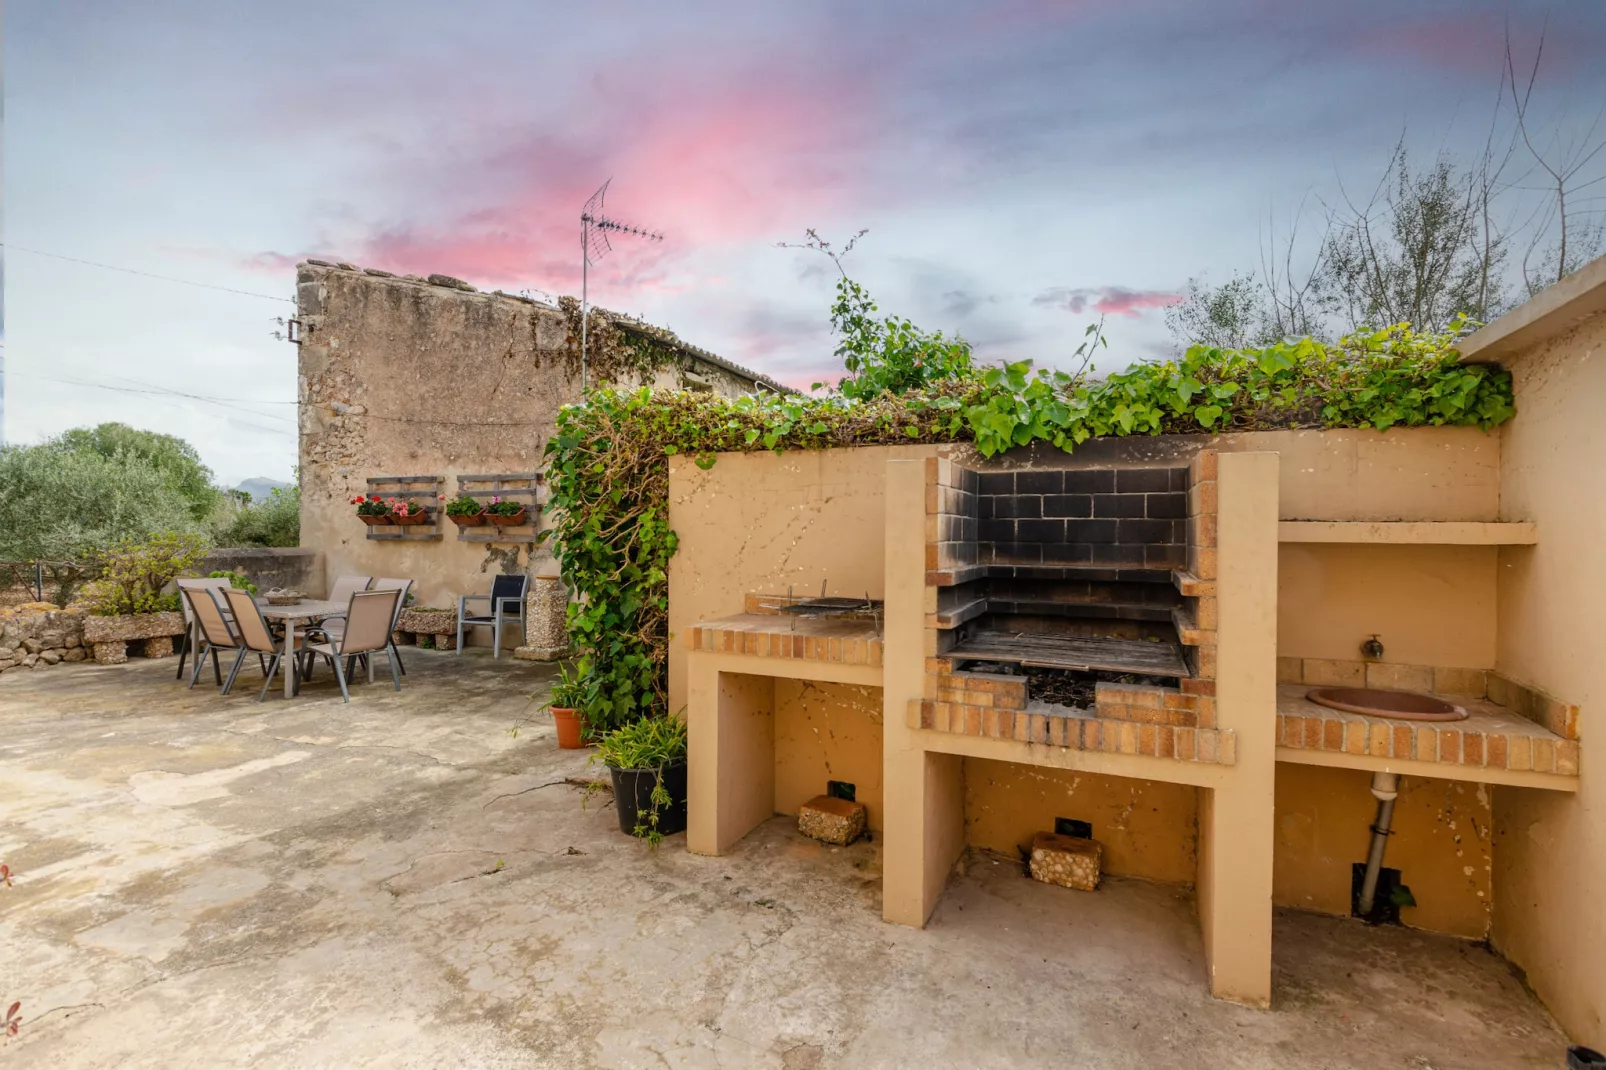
[[594, 230]]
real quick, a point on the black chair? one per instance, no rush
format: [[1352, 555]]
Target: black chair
[[507, 604]]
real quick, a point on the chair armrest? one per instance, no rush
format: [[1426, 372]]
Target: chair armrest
[[503, 603], [465, 599]]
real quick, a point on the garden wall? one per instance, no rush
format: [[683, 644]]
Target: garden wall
[[297, 569], [38, 635]]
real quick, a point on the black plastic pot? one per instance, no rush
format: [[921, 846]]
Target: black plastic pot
[[632, 791], [1582, 1058]]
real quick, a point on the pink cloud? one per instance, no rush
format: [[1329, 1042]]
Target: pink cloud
[[704, 162], [1106, 300]]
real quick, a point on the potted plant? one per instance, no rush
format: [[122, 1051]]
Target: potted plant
[[403, 511], [647, 762], [567, 694], [505, 513], [371, 509], [464, 511]]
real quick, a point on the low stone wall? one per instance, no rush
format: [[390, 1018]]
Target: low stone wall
[[296, 569], [36, 635], [149, 635]]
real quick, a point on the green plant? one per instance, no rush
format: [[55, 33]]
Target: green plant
[[134, 572], [568, 693], [61, 504], [273, 521], [651, 743], [403, 507], [238, 580], [174, 460], [370, 505], [609, 477], [462, 505], [504, 507]]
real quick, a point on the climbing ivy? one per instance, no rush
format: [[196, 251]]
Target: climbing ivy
[[609, 473]]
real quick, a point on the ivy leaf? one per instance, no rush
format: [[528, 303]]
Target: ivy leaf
[[1207, 415]]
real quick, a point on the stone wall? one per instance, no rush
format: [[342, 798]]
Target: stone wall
[[299, 569], [37, 635], [406, 376]]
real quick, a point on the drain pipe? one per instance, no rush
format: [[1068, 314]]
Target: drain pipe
[[1386, 786]]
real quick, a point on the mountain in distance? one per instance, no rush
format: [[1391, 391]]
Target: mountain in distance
[[260, 487]]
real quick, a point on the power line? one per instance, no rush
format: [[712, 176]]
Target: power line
[[147, 274], [160, 401]]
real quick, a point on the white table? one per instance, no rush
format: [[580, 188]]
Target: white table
[[306, 609]]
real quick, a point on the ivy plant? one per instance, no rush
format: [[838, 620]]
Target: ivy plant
[[609, 473]]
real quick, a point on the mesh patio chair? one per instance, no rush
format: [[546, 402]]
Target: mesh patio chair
[[192, 630], [344, 588], [507, 604], [200, 604], [367, 632], [334, 627], [254, 636]]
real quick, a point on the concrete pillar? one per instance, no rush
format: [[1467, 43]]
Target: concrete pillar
[[730, 760], [1236, 834], [546, 638], [923, 793]]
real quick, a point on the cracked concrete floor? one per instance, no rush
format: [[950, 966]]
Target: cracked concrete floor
[[202, 882]]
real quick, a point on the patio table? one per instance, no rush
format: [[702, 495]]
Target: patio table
[[305, 610]]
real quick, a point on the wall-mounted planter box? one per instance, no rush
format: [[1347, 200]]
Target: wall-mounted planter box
[[518, 486], [424, 528]]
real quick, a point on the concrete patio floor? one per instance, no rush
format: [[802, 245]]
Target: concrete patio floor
[[399, 882]]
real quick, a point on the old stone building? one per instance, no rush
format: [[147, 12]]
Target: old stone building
[[426, 386]]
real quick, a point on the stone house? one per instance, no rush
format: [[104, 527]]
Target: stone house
[[427, 386]]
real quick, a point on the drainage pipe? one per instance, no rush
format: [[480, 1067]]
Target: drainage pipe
[[1386, 786]]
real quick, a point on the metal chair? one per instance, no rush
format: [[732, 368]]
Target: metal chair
[[334, 627], [252, 629], [367, 631], [200, 604], [192, 631], [507, 604]]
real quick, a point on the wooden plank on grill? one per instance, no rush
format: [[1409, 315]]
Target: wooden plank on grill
[[1043, 651]]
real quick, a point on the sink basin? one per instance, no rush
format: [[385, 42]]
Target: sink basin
[[1395, 705]]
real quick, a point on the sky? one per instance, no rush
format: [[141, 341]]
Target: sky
[[1022, 167]]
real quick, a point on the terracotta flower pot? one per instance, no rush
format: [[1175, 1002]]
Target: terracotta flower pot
[[570, 728], [410, 518], [473, 520], [507, 521], [374, 521]]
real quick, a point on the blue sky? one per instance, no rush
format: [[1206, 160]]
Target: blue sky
[[1022, 167]]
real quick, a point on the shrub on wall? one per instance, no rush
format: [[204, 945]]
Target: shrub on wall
[[609, 476], [133, 573]]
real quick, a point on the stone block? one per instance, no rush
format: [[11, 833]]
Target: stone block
[[99, 630], [111, 652], [74, 653], [1069, 861], [50, 657], [157, 646], [1326, 673], [832, 820]]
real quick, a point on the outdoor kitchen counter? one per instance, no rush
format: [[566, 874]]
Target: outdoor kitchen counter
[[770, 635], [1492, 745]]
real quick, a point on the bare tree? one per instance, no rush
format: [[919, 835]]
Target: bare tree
[[1566, 235], [1229, 316], [1422, 250]]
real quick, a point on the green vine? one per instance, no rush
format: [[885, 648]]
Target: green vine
[[609, 475]]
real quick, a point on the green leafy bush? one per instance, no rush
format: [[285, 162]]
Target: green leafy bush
[[133, 573], [274, 521], [238, 580], [61, 504], [178, 462], [610, 481]]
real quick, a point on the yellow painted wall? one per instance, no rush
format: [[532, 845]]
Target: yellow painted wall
[[761, 522], [1441, 845], [1431, 605], [1550, 848], [827, 732], [1148, 828]]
